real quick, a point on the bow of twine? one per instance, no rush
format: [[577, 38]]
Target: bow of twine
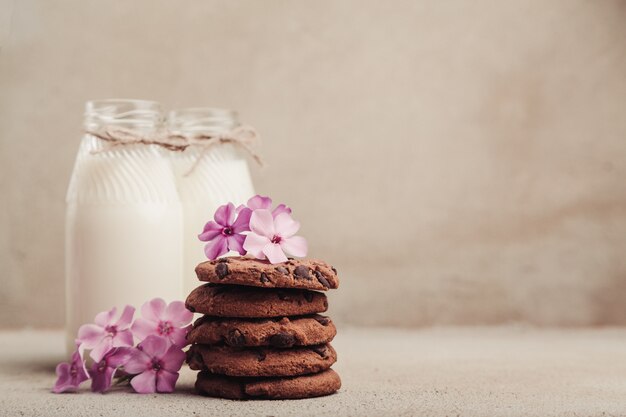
[[244, 137]]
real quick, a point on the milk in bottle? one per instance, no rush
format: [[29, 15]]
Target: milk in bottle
[[124, 222], [219, 175]]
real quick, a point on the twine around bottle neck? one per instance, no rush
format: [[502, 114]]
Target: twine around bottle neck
[[245, 137]]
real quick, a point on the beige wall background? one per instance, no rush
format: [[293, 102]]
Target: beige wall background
[[459, 162]]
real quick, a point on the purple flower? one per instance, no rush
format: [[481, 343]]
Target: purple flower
[[225, 233], [70, 375], [272, 237], [102, 372], [259, 202], [169, 321], [106, 334], [157, 363]]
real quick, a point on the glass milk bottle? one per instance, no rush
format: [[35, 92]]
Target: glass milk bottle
[[221, 175], [123, 219]]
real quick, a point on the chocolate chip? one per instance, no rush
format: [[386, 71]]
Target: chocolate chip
[[321, 350], [323, 320], [334, 270], [282, 340], [264, 278], [260, 355], [223, 260], [322, 279], [200, 321], [221, 269], [235, 338], [301, 271], [194, 359], [282, 270], [308, 296]]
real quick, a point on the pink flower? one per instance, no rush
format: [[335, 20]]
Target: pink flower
[[70, 375], [157, 362], [102, 372], [225, 233], [272, 237], [106, 334], [259, 202], [169, 321]]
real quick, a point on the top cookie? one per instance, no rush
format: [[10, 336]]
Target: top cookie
[[307, 274]]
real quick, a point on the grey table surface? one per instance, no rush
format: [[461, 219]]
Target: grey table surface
[[467, 371]]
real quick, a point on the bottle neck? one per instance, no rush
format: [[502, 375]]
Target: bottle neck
[[202, 120], [141, 115]]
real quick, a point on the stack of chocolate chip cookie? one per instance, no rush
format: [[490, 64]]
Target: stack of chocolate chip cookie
[[261, 335]]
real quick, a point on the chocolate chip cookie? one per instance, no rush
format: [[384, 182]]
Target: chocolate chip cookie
[[240, 301], [226, 360], [282, 332], [304, 386], [307, 274]]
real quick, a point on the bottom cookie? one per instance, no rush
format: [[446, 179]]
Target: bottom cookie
[[236, 388]]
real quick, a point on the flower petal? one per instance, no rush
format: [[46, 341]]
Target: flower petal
[[262, 223], [126, 318], [120, 356], [216, 248], [285, 225], [225, 214], [235, 242], [166, 381], [274, 253], [143, 328], [154, 310], [281, 208], [254, 244], [173, 359], [211, 229], [295, 245], [104, 318], [154, 346], [145, 382], [177, 314], [138, 361], [178, 336], [101, 349], [70, 375], [79, 363], [242, 223], [64, 381], [90, 335], [123, 338], [259, 202], [101, 381]]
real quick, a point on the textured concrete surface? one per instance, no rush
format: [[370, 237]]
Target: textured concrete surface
[[483, 139], [500, 371]]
